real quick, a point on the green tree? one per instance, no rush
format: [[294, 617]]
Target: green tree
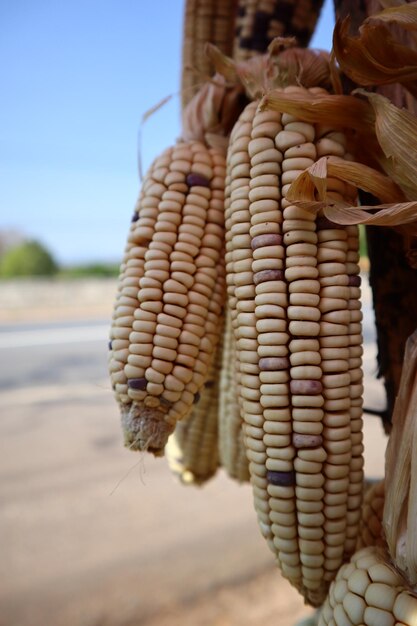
[[28, 259]]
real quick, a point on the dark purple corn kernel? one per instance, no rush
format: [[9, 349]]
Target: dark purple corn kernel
[[273, 363], [135, 217], [110, 346], [281, 479], [197, 180], [260, 241], [196, 397], [265, 275], [354, 280], [306, 387], [137, 383], [300, 441], [323, 223]]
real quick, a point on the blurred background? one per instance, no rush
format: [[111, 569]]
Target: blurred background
[[91, 534]]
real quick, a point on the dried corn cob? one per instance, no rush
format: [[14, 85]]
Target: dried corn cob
[[192, 450], [369, 590], [260, 21], [166, 320], [204, 21], [255, 23], [232, 452], [288, 287], [370, 528]]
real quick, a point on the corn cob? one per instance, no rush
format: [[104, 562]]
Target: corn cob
[[204, 21], [255, 23], [288, 288], [192, 450], [370, 528], [260, 21], [171, 294], [232, 451], [369, 590]]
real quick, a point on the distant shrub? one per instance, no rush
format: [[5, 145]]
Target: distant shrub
[[92, 269], [30, 258]]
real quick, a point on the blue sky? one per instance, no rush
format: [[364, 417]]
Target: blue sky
[[76, 79]]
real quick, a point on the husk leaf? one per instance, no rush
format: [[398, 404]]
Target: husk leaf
[[309, 191], [400, 510], [396, 131], [210, 115], [374, 57], [329, 109], [283, 64], [405, 15]]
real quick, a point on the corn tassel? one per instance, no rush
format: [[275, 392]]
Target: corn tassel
[[171, 294], [369, 590], [292, 297]]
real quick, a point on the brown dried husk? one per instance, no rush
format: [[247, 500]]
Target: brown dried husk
[[396, 132], [385, 134], [400, 511], [284, 64], [375, 57], [212, 112], [309, 191]]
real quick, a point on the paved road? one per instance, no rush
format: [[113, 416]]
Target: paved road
[[92, 534]]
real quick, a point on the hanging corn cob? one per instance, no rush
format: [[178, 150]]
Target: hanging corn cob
[[167, 316], [241, 29], [232, 452], [369, 590], [260, 21], [370, 528], [289, 277], [204, 21], [192, 450]]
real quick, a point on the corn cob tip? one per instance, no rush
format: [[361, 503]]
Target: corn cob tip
[[145, 429]]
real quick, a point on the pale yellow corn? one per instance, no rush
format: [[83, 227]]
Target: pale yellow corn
[[232, 452], [166, 322], [369, 591], [192, 450], [293, 292]]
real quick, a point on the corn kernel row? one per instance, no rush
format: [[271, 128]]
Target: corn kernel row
[[172, 285], [192, 450], [369, 591], [260, 21], [288, 285], [232, 452]]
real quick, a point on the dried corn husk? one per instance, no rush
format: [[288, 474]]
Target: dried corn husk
[[375, 57], [309, 191], [396, 132], [400, 511]]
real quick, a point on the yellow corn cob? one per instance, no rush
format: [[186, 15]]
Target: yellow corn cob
[[254, 24], [288, 277], [370, 528], [369, 590], [192, 450], [204, 21], [171, 294], [232, 452]]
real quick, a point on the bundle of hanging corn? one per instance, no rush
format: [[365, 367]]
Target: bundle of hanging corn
[[254, 212]]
